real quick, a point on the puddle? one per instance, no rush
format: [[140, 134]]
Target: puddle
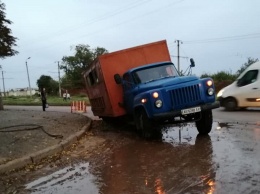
[[182, 161], [225, 161], [183, 134], [236, 155], [73, 179]]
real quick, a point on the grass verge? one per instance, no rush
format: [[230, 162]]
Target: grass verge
[[36, 101]]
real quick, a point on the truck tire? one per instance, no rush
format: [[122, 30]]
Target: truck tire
[[143, 124], [230, 104], [204, 125]]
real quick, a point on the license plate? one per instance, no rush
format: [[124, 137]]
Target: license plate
[[190, 110]]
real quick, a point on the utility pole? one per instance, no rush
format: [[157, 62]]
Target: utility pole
[[178, 53], [3, 82], [28, 76], [59, 77]]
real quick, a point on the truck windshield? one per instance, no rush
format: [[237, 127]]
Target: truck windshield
[[155, 73]]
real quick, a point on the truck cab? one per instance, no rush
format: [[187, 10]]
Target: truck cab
[[156, 94], [142, 79]]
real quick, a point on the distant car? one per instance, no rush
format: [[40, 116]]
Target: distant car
[[244, 92]]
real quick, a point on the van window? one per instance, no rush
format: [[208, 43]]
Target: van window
[[248, 78]]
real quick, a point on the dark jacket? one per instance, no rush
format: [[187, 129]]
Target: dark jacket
[[43, 95]]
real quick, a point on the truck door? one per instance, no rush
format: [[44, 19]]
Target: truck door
[[128, 97], [249, 89]]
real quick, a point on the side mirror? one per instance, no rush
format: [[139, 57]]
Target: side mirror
[[118, 79], [192, 63]]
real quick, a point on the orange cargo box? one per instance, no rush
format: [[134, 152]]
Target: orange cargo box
[[104, 94]]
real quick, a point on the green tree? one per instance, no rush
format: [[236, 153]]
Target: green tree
[[220, 76], [66, 82], [249, 62], [204, 75], [7, 41], [51, 86], [75, 65]]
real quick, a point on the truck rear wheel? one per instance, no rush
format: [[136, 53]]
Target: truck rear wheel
[[143, 124], [204, 125]]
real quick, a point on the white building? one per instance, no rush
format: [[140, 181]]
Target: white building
[[20, 92]]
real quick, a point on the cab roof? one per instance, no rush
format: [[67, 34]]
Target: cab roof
[[150, 65]]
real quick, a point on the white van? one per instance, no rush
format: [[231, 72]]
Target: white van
[[244, 92]]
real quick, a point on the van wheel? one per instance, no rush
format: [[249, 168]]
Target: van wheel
[[204, 125], [230, 104], [143, 124]]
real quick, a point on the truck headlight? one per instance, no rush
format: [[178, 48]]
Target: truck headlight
[[143, 100], [155, 94], [209, 83], [158, 103], [210, 91]]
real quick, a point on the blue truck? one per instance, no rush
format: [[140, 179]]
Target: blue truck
[[142, 84]]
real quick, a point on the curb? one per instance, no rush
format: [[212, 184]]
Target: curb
[[37, 156]]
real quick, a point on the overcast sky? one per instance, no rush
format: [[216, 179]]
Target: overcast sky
[[218, 34]]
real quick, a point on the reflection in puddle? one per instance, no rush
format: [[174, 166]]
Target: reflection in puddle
[[67, 180], [159, 187], [183, 134], [180, 163]]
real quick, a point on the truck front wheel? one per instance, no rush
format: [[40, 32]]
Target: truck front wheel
[[204, 125], [143, 124]]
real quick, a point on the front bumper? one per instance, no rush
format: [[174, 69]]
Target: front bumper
[[178, 112]]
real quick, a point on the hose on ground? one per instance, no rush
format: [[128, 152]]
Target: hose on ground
[[31, 127]]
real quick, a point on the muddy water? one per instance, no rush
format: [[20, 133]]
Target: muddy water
[[181, 161], [73, 179]]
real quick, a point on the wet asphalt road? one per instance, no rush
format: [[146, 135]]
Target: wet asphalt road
[[226, 161]]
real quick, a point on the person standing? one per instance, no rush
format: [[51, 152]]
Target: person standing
[[64, 97], [44, 99]]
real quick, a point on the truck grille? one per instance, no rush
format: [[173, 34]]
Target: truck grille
[[186, 95]]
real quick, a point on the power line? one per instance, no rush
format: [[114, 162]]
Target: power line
[[179, 56], [223, 39], [106, 28], [95, 20], [184, 52]]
